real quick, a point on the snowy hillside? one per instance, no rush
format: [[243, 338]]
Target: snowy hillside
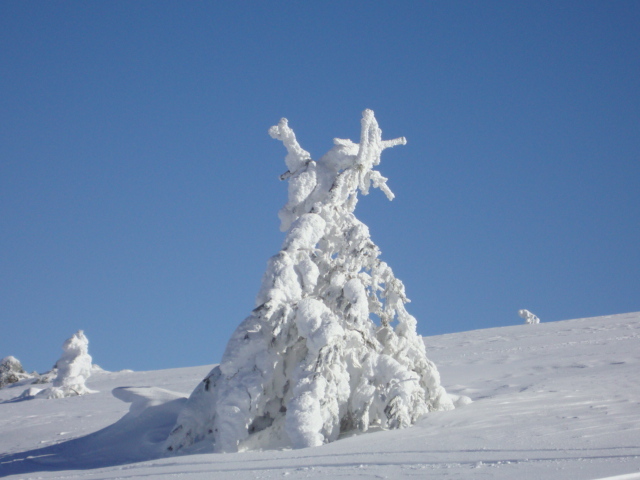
[[551, 401]]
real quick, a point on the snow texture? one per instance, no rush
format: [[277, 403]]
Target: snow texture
[[555, 402], [310, 362], [529, 318]]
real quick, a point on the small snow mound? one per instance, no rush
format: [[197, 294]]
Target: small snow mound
[[142, 398], [29, 393], [459, 400]]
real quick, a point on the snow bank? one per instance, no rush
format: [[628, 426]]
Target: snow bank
[[555, 402]]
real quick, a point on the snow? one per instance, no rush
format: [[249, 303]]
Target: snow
[[529, 318], [73, 369], [329, 347], [558, 401], [11, 371]]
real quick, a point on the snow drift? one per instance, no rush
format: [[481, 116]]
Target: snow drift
[[554, 402]]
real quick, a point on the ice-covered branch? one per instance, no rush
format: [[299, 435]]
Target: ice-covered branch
[[371, 143], [371, 147]]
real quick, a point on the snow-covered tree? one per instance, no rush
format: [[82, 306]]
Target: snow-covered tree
[[11, 371], [529, 318], [73, 369], [329, 346]]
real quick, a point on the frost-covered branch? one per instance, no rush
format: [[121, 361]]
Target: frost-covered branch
[[296, 156], [371, 147]]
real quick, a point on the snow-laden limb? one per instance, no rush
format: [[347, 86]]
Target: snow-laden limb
[[371, 146], [310, 362], [296, 156], [528, 317], [73, 369]]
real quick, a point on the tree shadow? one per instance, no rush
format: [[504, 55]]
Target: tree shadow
[[136, 437]]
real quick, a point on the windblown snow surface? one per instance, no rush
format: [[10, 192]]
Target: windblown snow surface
[[555, 400]]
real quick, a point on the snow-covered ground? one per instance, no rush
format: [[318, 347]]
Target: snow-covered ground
[[551, 401]]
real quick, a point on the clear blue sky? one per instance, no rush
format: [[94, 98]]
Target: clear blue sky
[[139, 188]]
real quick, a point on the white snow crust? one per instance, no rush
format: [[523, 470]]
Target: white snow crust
[[560, 401]]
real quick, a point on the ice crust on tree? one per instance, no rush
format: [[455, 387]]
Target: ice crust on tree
[[73, 369], [529, 318], [310, 362]]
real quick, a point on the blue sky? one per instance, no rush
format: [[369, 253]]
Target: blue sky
[[139, 188]]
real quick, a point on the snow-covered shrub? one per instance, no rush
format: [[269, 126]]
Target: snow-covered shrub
[[11, 371], [46, 377], [529, 318], [310, 362], [73, 369]]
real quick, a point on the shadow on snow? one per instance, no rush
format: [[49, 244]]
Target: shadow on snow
[[136, 437]]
